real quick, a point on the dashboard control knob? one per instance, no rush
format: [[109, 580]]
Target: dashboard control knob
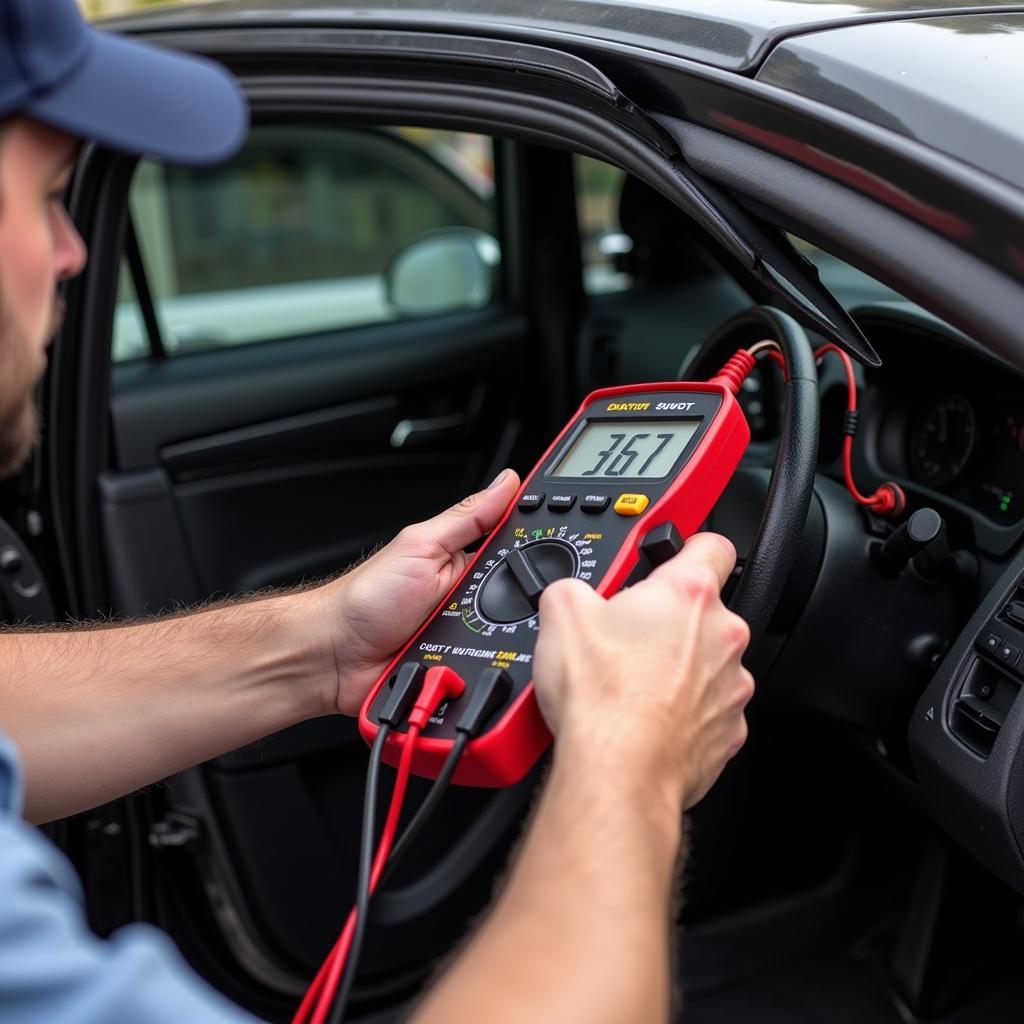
[[920, 530], [512, 590], [11, 560]]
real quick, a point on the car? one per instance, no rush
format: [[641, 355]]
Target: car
[[451, 222]]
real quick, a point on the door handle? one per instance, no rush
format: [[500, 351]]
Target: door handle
[[23, 593], [436, 428]]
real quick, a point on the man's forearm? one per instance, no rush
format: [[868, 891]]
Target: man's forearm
[[582, 929], [98, 713]]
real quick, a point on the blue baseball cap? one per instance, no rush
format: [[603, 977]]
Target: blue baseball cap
[[141, 99]]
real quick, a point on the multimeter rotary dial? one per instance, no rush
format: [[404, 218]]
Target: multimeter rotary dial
[[511, 589]]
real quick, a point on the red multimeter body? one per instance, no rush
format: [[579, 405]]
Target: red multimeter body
[[636, 462]]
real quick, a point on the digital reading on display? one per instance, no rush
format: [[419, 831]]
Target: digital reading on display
[[642, 449]]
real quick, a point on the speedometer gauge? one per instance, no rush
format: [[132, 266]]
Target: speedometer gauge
[[942, 440]]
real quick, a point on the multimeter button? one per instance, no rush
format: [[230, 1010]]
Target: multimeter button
[[631, 504], [661, 543], [594, 502], [561, 502], [528, 502]]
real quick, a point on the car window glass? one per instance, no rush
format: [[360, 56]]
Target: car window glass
[[598, 187], [312, 229], [128, 318]]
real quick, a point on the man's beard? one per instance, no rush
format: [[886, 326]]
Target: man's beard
[[20, 418]]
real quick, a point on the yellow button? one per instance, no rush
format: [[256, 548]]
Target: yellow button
[[631, 504]]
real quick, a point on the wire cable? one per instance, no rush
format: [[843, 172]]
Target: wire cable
[[363, 883], [767, 345], [438, 685], [404, 686], [492, 690], [415, 826], [334, 965], [329, 992], [430, 803], [369, 828], [339, 982], [888, 499]]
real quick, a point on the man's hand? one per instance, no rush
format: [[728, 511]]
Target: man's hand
[[137, 703], [645, 692], [372, 611], [652, 676]]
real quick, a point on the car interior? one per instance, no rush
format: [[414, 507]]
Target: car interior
[[273, 365]]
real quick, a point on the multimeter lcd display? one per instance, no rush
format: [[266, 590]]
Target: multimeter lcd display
[[641, 449]]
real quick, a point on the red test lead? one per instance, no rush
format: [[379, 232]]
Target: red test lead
[[439, 684], [888, 499]]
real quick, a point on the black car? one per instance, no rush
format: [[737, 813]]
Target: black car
[[451, 222]]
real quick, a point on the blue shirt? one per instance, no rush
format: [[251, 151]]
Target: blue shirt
[[53, 970]]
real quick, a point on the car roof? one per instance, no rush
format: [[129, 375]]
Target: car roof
[[952, 83], [735, 35]]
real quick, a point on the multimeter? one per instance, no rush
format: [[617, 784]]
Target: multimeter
[[636, 470]]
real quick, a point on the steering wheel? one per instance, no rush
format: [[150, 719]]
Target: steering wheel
[[773, 552]]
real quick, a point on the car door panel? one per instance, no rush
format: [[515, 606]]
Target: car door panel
[[158, 403], [364, 424], [281, 525], [275, 499]]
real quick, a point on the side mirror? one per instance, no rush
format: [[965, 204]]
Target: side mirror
[[443, 272], [611, 244]]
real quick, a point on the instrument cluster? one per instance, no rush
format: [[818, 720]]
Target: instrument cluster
[[971, 447], [949, 420]]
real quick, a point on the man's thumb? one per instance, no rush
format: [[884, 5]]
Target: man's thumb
[[475, 516]]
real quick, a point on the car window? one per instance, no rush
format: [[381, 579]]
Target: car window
[[598, 187], [311, 229]]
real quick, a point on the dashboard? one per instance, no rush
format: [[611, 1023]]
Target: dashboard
[[944, 420], [941, 417]]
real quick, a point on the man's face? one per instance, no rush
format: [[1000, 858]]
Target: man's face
[[39, 247]]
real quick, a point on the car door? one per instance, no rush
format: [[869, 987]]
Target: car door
[[305, 349], [291, 410]]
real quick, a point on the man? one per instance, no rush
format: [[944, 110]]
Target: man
[[644, 692]]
